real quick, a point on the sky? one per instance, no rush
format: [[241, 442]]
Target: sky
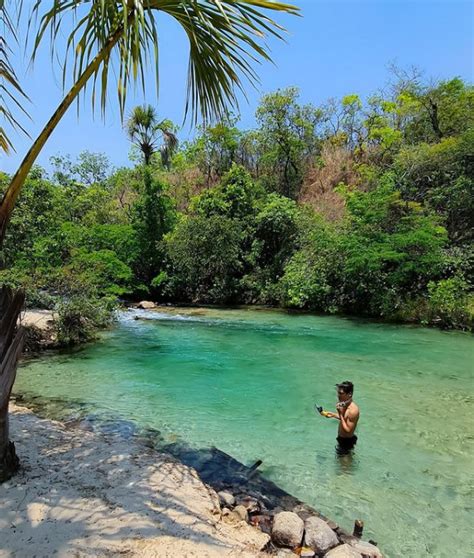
[[334, 49]]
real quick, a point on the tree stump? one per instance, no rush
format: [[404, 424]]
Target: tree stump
[[11, 344]]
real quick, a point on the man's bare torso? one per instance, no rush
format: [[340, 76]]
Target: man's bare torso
[[351, 414]]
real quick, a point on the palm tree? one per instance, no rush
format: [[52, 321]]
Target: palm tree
[[144, 129], [224, 43]]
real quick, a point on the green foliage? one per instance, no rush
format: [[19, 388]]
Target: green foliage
[[79, 318], [204, 254], [288, 140], [153, 216], [450, 302], [102, 270], [312, 277], [273, 241], [234, 197], [441, 176]]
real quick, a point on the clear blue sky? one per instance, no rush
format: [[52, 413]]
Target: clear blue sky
[[336, 48]]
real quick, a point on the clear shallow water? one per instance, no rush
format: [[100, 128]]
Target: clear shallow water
[[246, 381]]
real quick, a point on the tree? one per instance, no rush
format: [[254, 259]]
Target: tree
[[224, 40], [144, 129], [287, 135]]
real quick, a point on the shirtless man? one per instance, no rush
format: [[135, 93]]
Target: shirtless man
[[347, 415]]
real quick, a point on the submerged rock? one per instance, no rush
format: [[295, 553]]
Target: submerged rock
[[319, 536], [287, 529]]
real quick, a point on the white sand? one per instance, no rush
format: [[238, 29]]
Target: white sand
[[42, 319], [82, 494]]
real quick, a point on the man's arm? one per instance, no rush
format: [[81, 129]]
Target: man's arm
[[348, 421]]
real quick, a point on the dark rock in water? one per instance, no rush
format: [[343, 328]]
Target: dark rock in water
[[287, 529], [319, 536]]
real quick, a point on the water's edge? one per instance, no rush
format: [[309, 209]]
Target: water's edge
[[220, 471]]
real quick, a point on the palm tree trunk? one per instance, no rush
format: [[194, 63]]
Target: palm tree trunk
[[11, 343]]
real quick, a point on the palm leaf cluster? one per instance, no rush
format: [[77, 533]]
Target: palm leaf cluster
[[225, 40], [10, 89], [144, 130]]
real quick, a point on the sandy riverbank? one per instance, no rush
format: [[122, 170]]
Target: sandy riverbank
[[83, 494], [42, 319]]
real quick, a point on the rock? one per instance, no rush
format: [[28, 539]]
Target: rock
[[146, 305], [263, 522], [252, 505], [287, 529], [226, 499], [306, 552], [241, 513], [343, 551], [366, 549], [319, 536], [225, 512]]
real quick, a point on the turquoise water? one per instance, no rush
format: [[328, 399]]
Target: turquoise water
[[246, 381]]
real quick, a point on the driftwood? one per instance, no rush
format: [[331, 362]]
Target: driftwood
[[11, 344]]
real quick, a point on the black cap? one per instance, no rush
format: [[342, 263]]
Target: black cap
[[347, 387]]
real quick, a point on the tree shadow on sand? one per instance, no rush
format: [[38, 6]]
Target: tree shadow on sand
[[86, 493]]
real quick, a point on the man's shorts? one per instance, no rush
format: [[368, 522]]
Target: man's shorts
[[345, 445]]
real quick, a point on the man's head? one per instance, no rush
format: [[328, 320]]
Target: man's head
[[345, 390]]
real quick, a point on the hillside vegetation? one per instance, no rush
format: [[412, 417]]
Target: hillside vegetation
[[355, 207]]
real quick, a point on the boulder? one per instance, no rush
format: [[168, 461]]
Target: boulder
[[146, 305], [287, 529], [343, 551], [226, 499], [366, 549], [319, 536]]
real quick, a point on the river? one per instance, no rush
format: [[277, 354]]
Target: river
[[246, 381]]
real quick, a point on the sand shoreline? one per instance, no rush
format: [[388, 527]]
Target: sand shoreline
[[87, 494]]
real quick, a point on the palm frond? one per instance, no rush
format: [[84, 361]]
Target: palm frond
[[225, 40], [10, 89]]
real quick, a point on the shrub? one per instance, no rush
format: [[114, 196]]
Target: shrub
[[79, 318]]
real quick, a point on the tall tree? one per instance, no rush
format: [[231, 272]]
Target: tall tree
[[144, 130], [224, 41]]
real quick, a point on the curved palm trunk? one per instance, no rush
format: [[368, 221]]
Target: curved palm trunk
[[11, 338]]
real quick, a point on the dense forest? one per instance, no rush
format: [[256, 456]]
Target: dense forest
[[361, 207]]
